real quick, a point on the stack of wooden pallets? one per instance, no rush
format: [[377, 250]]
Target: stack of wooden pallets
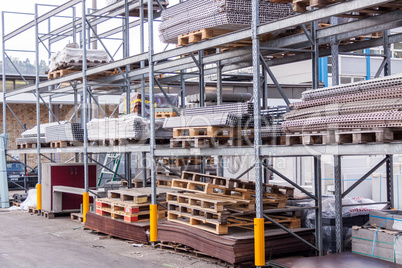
[[214, 203], [131, 205]]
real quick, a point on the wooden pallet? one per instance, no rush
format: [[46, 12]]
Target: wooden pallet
[[361, 136], [210, 225], [77, 217], [207, 178], [207, 33], [184, 161], [135, 217], [63, 144], [33, 210], [118, 206], [165, 114], [199, 213], [206, 188], [63, 72], [301, 5], [48, 214], [206, 132], [210, 202], [311, 138], [15, 203], [204, 142], [31, 145]]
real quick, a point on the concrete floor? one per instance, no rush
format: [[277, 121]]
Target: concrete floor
[[33, 241]]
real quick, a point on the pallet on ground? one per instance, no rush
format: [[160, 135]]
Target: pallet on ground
[[206, 132], [15, 203], [77, 217], [33, 210]]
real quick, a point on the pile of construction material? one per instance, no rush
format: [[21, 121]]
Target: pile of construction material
[[71, 58], [350, 107], [216, 125], [215, 204], [127, 127], [57, 134], [381, 237], [223, 16], [304, 5]]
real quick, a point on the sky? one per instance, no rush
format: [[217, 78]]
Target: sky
[[26, 40]]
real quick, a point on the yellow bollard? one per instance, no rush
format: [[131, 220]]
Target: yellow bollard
[[259, 242], [85, 205], [39, 196], [154, 223]]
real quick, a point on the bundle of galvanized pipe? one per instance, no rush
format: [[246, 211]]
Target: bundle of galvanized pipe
[[230, 15], [368, 104]]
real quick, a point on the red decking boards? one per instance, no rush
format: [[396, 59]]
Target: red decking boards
[[238, 245], [130, 231]]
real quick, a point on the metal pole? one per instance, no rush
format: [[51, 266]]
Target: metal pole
[[85, 205], [259, 233], [126, 52], [265, 92], [315, 55], [334, 55], [318, 204], [38, 145], [183, 89], [219, 88], [338, 203], [3, 46], [201, 76], [154, 206], [142, 65], [390, 181], [95, 27], [387, 53]]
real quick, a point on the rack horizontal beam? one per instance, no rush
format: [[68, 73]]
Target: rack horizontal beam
[[44, 17], [274, 151]]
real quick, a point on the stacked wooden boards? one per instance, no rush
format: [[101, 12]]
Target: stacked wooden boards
[[238, 245]]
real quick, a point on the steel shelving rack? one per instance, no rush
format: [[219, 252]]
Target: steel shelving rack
[[311, 44]]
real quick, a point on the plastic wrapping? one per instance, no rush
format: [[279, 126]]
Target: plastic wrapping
[[135, 102], [328, 213], [71, 53], [30, 201], [125, 127]]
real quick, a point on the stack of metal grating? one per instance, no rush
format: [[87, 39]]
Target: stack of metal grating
[[131, 127], [368, 104], [227, 115], [64, 132], [230, 15]]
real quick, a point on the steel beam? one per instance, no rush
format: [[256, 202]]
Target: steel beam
[[318, 203], [338, 203], [390, 180]]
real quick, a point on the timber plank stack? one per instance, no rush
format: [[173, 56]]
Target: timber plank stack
[[215, 204]]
